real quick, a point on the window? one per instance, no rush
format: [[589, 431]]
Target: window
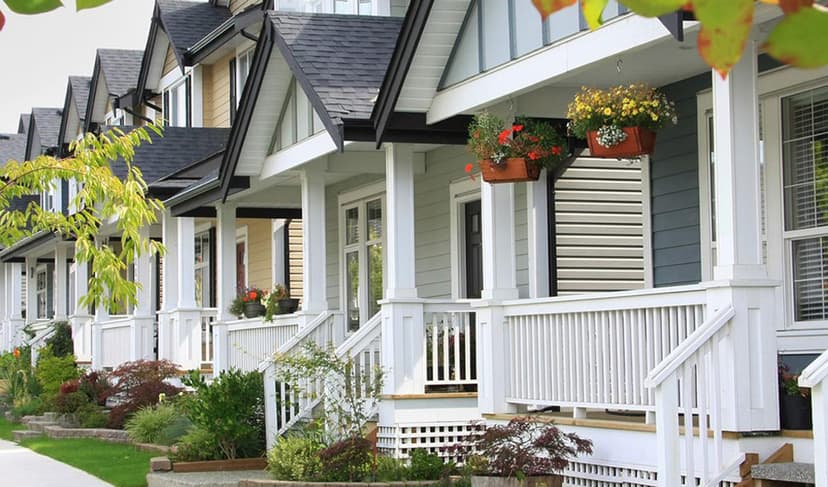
[[805, 196], [298, 121], [42, 292], [243, 64], [203, 275], [360, 7], [363, 258], [178, 103], [47, 200]]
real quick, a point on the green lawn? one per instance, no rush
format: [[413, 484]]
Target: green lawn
[[6, 428], [120, 465]]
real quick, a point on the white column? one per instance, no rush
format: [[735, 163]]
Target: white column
[[226, 259], [61, 283], [31, 289], [14, 276], [186, 262], [819, 403], [537, 218], [279, 229], [738, 197], [4, 317], [101, 316], [169, 230], [314, 262], [80, 318], [400, 256], [142, 319]]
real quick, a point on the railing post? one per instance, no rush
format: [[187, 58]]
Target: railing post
[[97, 342], [269, 377], [221, 347], [403, 333], [667, 432], [819, 403]]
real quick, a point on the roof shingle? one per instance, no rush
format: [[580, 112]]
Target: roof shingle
[[12, 147], [343, 57], [188, 22], [120, 68], [47, 122], [80, 93]]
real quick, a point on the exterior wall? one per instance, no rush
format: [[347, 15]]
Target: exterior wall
[[295, 272], [259, 252], [170, 63], [216, 89], [399, 7]]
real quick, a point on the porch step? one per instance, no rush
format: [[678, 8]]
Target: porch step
[[21, 435], [798, 473]]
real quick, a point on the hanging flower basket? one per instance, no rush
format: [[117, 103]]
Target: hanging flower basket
[[638, 142], [511, 170]]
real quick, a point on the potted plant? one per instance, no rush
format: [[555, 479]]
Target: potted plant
[[253, 302], [279, 302], [621, 121], [514, 153], [524, 452], [794, 401]]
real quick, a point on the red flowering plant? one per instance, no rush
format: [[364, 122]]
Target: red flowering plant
[[534, 140], [249, 295]]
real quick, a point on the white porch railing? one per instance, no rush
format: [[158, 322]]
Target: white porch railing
[[208, 317], [253, 340], [43, 330], [449, 346], [115, 341], [814, 376], [596, 350]]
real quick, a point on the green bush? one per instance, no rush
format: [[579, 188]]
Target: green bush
[[91, 416], [294, 458], [390, 469], [70, 403], [231, 408], [198, 444], [149, 423], [350, 460], [29, 407], [426, 466], [52, 371], [60, 343]]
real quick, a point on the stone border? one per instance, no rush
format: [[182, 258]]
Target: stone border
[[290, 483]]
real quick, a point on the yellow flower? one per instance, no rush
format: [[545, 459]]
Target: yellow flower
[[654, 117], [607, 111]]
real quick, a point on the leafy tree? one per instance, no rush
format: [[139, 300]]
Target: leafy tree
[[798, 40], [30, 7], [102, 197]]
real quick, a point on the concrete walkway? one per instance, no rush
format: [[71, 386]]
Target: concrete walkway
[[22, 467]]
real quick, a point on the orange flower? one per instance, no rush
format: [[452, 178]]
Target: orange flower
[[469, 167], [504, 136], [16, 353], [252, 295], [517, 128], [556, 150], [533, 156]]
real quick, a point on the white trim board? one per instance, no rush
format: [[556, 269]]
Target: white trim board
[[460, 192]]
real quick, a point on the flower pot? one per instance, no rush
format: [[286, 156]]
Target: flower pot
[[252, 310], [794, 412], [540, 481], [512, 170], [288, 305], [639, 141]]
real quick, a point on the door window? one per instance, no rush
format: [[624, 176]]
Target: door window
[[363, 257]]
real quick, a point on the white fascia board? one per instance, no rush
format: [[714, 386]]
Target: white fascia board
[[298, 154], [539, 67]]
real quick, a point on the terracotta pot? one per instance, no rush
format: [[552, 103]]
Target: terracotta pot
[[512, 170], [540, 481], [639, 141], [794, 412], [253, 310]]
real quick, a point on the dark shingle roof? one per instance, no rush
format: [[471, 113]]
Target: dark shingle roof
[[177, 149], [23, 125], [47, 121], [343, 57], [120, 68], [80, 92], [188, 22], [12, 147]]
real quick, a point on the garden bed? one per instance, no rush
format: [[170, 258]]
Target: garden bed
[[291, 483]]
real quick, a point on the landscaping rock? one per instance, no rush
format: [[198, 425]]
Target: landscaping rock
[[40, 425], [152, 448], [160, 464], [115, 436], [203, 479], [21, 435]]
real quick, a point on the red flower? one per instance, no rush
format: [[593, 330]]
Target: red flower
[[533, 156], [533, 138], [517, 128], [252, 295], [16, 353], [556, 150], [504, 136], [469, 167]]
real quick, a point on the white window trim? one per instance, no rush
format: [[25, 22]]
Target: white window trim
[[358, 197], [208, 264], [461, 192], [279, 269], [771, 88], [245, 49], [41, 268], [175, 78]]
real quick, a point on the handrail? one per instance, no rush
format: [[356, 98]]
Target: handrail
[[726, 472], [690, 346], [297, 339], [816, 372], [365, 332]]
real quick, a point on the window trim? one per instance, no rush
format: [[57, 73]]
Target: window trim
[[461, 191], [42, 269]]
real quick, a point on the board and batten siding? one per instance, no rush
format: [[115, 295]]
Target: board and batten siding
[[599, 227]]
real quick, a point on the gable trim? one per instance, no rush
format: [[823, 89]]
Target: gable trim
[[93, 89]]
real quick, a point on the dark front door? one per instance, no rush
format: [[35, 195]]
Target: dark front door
[[241, 272], [474, 249]]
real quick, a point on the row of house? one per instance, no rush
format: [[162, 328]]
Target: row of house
[[319, 144]]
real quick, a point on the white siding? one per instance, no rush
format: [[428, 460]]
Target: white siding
[[399, 7]]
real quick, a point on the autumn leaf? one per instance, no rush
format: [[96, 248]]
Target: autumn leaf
[[654, 8], [29, 7], [725, 27], [798, 38], [549, 7], [592, 12], [85, 4]]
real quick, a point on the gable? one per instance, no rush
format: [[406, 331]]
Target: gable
[[170, 61], [298, 120]]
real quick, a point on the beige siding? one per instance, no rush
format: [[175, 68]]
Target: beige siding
[[216, 87], [259, 252], [295, 258], [237, 6], [170, 62]]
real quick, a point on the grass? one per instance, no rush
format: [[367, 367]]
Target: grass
[[120, 465], [7, 427]]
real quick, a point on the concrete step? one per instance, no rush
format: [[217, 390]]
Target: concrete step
[[800, 473], [21, 435], [40, 426]]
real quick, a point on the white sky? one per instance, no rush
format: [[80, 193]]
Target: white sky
[[39, 52]]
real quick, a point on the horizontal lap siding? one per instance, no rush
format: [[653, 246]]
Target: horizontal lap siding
[[675, 190], [217, 93], [599, 228], [259, 252], [295, 274], [170, 62]]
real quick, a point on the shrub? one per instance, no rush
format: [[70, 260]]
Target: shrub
[[70, 403], [28, 407], [95, 384], [70, 386], [294, 458], [61, 341], [91, 416], [349, 460], [198, 444], [390, 469], [426, 466], [148, 424], [232, 409], [52, 371], [139, 384]]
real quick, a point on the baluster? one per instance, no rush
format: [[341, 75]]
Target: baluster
[[715, 398], [555, 347], [687, 409], [702, 386], [456, 331], [435, 357], [579, 377], [629, 359], [603, 351], [465, 319]]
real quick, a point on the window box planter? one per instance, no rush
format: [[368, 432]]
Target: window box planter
[[541, 481], [639, 141], [794, 412], [288, 305], [511, 170], [253, 310]]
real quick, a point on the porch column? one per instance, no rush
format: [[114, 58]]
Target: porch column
[[142, 316], [61, 283], [101, 317], [537, 219], [402, 312], [186, 262], [499, 284], [314, 261], [14, 306], [748, 369], [31, 289], [169, 276], [187, 317], [80, 318], [226, 281], [4, 317]]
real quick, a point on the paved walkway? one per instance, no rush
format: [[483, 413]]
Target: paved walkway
[[21, 467]]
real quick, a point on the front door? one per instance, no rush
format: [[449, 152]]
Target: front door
[[241, 272], [473, 249]]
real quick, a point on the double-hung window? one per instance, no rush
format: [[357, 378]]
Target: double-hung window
[[178, 103], [42, 291], [203, 276], [363, 258]]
